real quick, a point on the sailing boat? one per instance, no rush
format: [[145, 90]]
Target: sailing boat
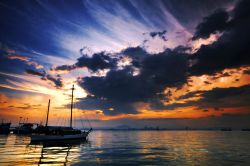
[[60, 133]]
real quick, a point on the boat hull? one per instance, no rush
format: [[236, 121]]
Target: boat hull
[[5, 128], [58, 137]]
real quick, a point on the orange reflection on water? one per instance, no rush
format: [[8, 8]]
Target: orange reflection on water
[[18, 150]]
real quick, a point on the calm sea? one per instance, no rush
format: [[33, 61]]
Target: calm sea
[[133, 148]]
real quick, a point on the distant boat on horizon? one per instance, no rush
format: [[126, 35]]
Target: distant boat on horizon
[[59, 133], [226, 129], [245, 129]]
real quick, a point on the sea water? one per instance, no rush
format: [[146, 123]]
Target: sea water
[[132, 148]]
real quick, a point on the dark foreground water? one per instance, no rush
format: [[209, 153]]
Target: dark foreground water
[[133, 148]]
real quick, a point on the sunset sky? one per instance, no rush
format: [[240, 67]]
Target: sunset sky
[[133, 62]]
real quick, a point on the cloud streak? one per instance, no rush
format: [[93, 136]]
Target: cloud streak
[[57, 81]]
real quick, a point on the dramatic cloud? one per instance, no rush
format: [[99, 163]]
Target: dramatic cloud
[[214, 23], [109, 107], [136, 53], [121, 87], [231, 49], [44, 76], [97, 61]]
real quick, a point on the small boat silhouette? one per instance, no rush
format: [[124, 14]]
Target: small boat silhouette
[[5, 127]]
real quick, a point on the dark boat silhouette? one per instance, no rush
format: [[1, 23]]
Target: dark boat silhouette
[[59, 133], [5, 128], [24, 128]]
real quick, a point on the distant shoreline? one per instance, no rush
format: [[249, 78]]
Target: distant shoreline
[[171, 130]]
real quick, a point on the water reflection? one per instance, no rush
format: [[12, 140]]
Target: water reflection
[[132, 148], [56, 153], [18, 150]]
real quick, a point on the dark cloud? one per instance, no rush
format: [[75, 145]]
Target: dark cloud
[[35, 72], [231, 49], [56, 80], [212, 24], [160, 34], [44, 76], [103, 60], [65, 68], [226, 97], [109, 107], [118, 85], [157, 71], [136, 53], [168, 68], [97, 61]]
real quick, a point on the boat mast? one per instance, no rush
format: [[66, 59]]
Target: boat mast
[[47, 114], [71, 108]]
